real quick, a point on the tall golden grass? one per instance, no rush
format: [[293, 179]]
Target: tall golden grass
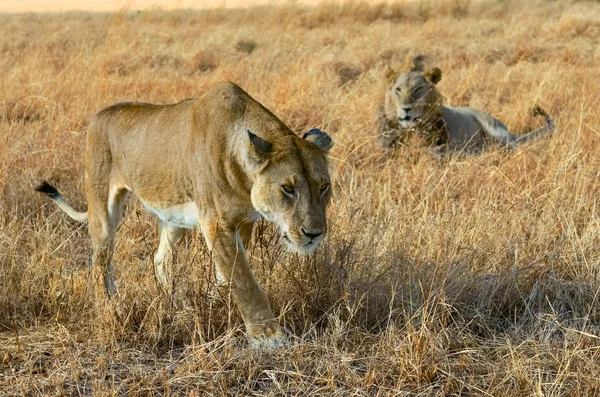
[[471, 275]]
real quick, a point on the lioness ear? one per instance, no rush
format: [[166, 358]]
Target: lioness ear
[[390, 75], [434, 75], [260, 145], [319, 138]]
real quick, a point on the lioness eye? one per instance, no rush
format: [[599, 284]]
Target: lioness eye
[[398, 89], [288, 189], [325, 188], [419, 89]]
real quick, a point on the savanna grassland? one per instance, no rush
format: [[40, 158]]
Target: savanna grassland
[[472, 275]]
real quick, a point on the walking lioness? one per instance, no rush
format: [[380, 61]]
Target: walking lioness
[[412, 105], [219, 162]]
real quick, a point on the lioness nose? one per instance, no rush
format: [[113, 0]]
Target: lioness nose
[[407, 109], [312, 235]]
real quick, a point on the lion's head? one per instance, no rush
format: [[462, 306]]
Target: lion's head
[[292, 186], [412, 97]]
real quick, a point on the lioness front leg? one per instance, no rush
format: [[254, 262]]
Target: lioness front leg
[[230, 258]]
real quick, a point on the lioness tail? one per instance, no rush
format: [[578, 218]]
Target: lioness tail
[[548, 129], [538, 111], [54, 194]]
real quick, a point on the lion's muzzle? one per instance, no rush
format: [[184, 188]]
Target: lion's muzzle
[[304, 242]]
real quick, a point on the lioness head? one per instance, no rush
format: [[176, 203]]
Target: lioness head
[[412, 97], [292, 186]]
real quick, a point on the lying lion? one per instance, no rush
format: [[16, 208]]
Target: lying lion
[[219, 162], [413, 105]]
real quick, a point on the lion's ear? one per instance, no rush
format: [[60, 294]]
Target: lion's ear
[[433, 75], [390, 75], [319, 138], [260, 146]]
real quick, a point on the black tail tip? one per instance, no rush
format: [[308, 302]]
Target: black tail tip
[[538, 111], [47, 189]]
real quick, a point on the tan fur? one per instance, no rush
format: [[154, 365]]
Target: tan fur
[[219, 162], [412, 104]]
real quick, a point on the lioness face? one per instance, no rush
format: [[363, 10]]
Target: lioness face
[[413, 95], [293, 189]]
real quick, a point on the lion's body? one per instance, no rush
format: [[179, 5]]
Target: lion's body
[[413, 105], [198, 163]]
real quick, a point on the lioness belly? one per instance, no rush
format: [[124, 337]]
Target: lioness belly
[[180, 215]]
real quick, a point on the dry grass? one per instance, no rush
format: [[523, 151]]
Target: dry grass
[[469, 276]]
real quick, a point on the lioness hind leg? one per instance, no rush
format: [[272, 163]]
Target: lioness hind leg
[[163, 259], [105, 199], [104, 216], [104, 213]]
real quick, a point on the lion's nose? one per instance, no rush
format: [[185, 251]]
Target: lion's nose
[[406, 111], [312, 234]]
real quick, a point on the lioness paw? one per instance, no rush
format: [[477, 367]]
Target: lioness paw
[[266, 336], [262, 342]]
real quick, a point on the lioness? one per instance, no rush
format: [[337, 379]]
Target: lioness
[[219, 162], [413, 105]]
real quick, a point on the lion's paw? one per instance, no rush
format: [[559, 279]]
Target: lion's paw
[[266, 337]]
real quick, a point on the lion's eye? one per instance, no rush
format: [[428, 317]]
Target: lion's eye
[[289, 190], [325, 188], [398, 89]]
